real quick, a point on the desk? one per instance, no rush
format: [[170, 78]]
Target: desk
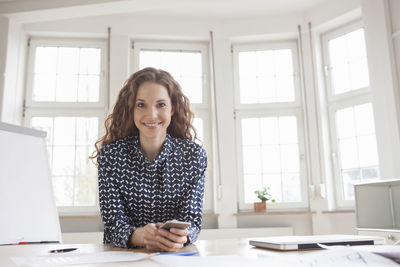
[[205, 247]]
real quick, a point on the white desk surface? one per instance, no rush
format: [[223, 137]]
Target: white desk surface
[[205, 248]]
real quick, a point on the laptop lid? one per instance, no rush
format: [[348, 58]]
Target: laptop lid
[[311, 242]]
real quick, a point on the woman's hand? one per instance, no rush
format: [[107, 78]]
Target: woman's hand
[[172, 240], [159, 239]]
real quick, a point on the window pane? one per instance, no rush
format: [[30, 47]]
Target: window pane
[[271, 150], [70, 142], [198, 124], [184, 66], [252, 183], [90, 60], [288, 130], [64, 131], [43, 87], [251, 131], [46, 60], [290, 158], [348, 153], [365, 119], [252, 159], [368, 152], [266, 76], [274, 182], [68, 60], [358, 154], [88, 88], [63, 190], [349, 178], [269, 130], [67, 88], [345, 123], [66, 74], [248, 90], [271, 159], [63, 160], [291, 187], [370, 173], [359, 76], [248, 62], [348, 59], [85, 183]]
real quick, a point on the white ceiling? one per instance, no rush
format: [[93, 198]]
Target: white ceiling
[[216, 9]]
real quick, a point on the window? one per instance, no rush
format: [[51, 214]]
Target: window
[[65, 97], [188, 64], [270, 135], [354, 148]]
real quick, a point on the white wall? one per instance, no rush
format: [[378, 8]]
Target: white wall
[[126, 27], [384, 84], [12, 66], [3, 56]]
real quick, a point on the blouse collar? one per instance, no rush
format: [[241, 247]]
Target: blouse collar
[[165, 151]]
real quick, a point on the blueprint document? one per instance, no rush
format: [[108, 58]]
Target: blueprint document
[[338, 257]]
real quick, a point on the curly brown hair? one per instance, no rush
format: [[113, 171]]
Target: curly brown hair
[[120, 122]]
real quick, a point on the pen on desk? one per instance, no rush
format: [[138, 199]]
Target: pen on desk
[[181, 253], [62, 250]]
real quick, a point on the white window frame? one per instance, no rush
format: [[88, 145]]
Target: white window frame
[[68, 109], [260, 110], [337, 102], [34, 43], [201, 110]]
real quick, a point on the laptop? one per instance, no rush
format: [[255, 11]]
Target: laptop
[[312, 241]]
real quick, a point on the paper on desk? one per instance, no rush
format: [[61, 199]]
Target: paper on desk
[[201, 261], [78, 258], [343, 256], [340, 257], [387, 251]]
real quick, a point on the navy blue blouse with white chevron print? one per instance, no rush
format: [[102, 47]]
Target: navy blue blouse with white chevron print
[[134, 192]]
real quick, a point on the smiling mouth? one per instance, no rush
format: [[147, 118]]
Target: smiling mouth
[[154, 124]]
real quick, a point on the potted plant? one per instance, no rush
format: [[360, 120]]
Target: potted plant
[[264, 196]]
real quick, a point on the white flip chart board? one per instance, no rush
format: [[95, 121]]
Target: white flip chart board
[[27, 207]]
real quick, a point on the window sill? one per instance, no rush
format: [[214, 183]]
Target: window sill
[[253, 213], [337, 211], [78, 215], [210, 214]]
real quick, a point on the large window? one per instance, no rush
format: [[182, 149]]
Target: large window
[[354, 148], [65, 97], [270, 135], [188, 64]]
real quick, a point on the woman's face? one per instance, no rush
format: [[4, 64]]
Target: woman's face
[[153, 110]]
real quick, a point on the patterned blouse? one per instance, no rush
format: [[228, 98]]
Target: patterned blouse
[[134, 192]]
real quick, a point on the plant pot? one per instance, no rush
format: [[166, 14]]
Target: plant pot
[[260, 206]]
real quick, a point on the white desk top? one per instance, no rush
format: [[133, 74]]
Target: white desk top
[[205, 248]]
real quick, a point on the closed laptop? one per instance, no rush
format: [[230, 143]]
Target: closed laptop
[[313, 241]]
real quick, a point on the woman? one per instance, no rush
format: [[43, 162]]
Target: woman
[[150, 170]]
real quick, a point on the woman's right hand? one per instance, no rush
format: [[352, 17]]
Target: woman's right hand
[[150, 237]]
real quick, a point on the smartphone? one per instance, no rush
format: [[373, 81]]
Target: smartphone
[[175, 224]]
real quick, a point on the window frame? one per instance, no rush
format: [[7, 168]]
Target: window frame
[[337, 102], [202, 110], [267, 46], [68, 109], [325, 38], [259, 110], [37, 42]]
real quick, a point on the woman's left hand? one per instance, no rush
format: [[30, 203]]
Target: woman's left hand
[[172, 240]]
